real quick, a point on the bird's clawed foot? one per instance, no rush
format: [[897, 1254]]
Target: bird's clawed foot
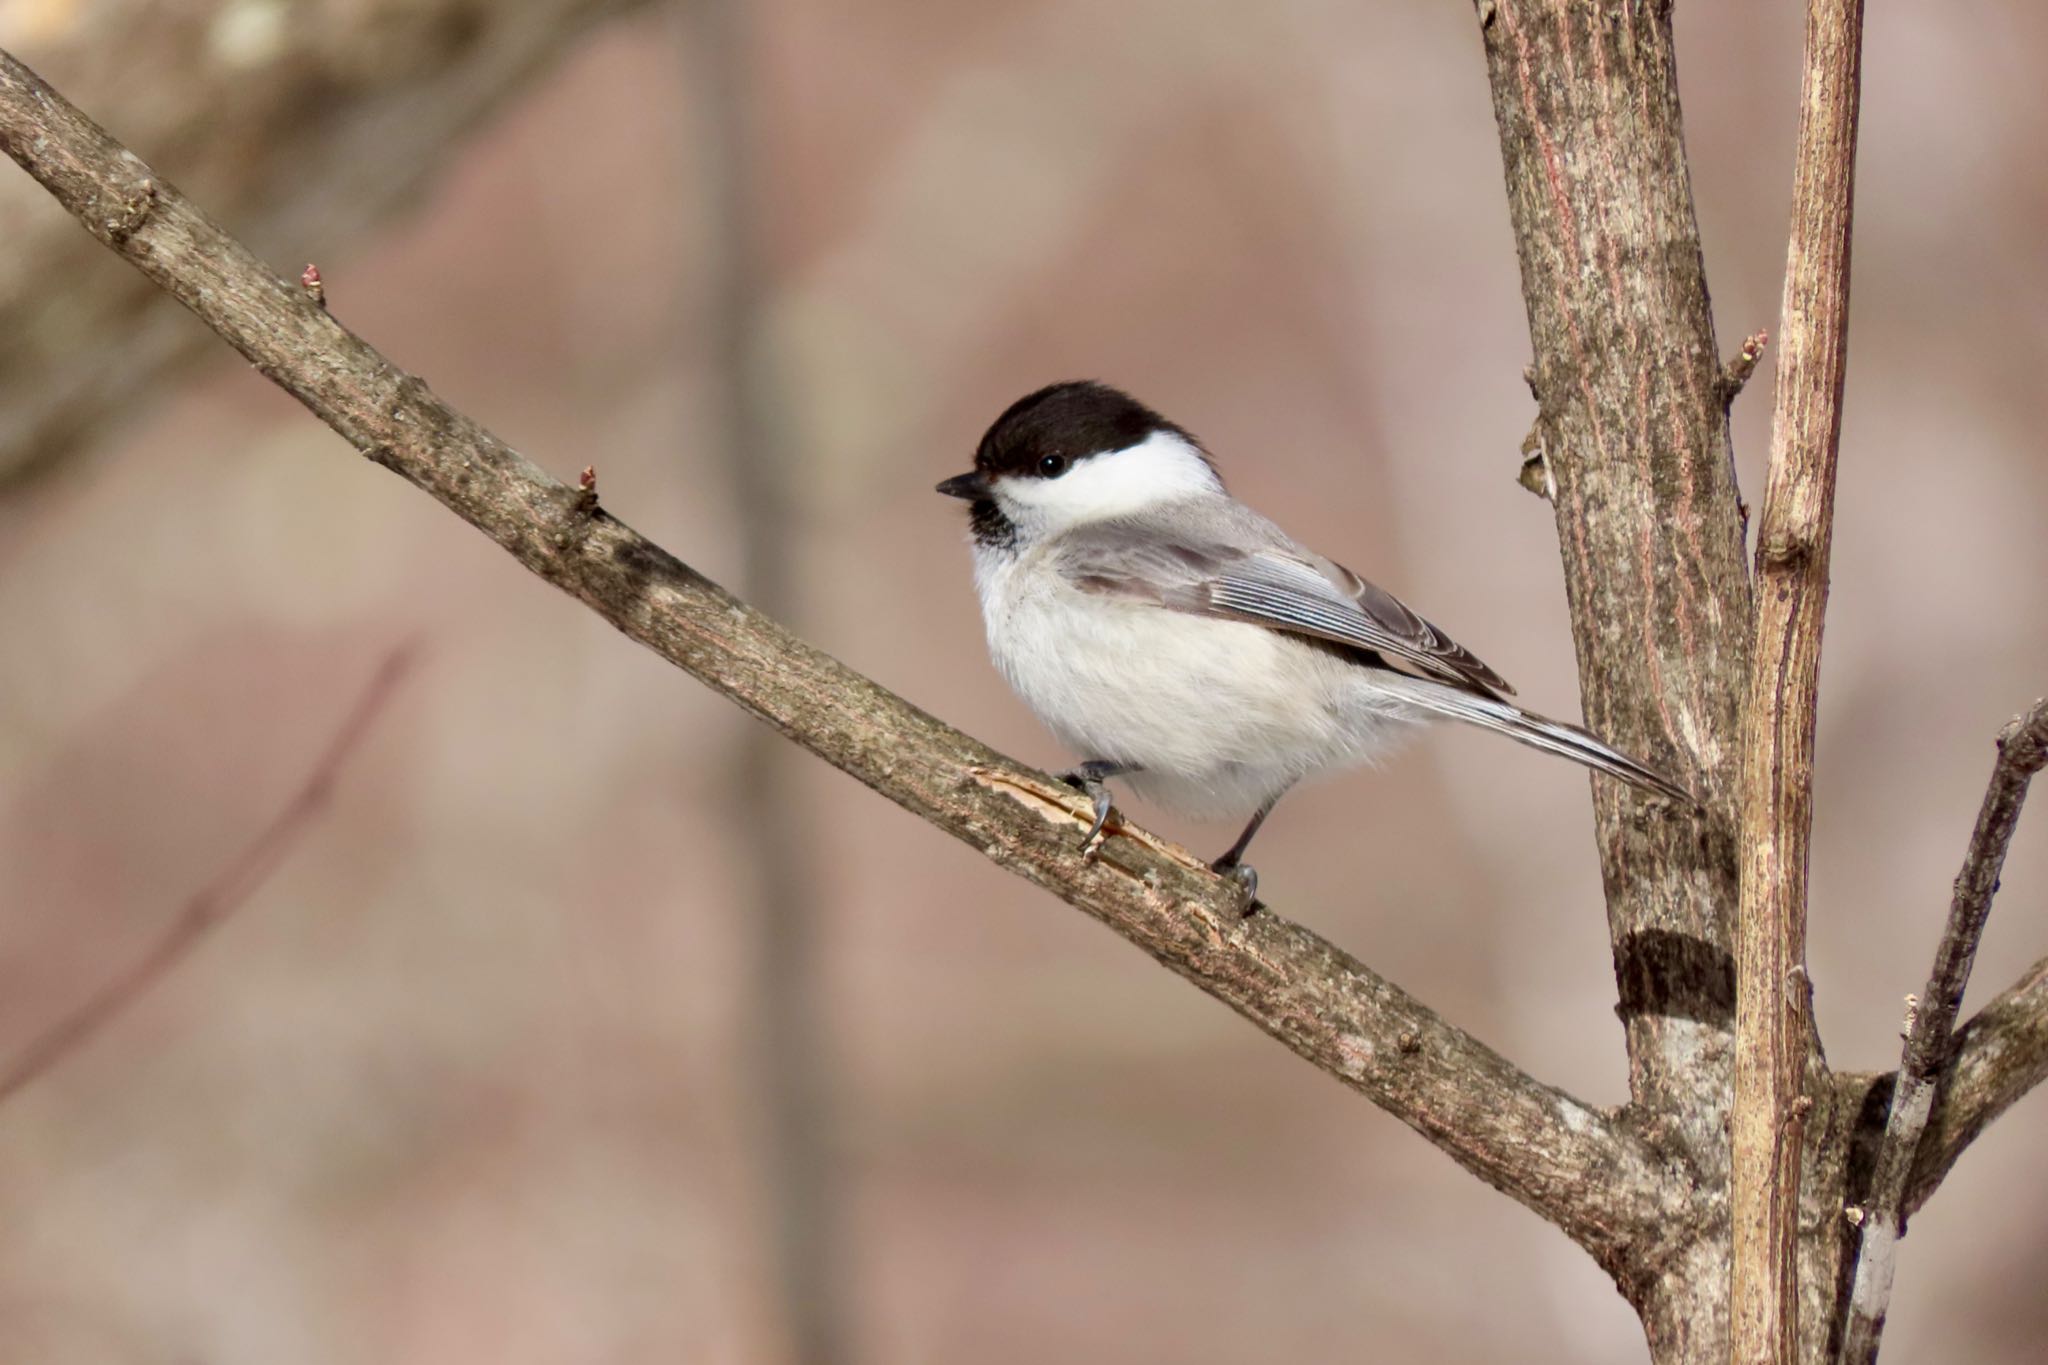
[[1245, 875], [1089, 779]]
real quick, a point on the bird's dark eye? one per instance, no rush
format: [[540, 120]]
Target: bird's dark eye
[[1052, 466]]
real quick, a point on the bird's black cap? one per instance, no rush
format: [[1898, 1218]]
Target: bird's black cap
[[1071, 420]]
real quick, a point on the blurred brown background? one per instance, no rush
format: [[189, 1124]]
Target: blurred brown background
[[489, 1069]]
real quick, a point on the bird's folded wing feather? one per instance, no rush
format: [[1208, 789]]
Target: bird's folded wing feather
[[1230, 571]]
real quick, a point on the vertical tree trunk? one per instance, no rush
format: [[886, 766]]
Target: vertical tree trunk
[[1685, 1308], [1633, 434]]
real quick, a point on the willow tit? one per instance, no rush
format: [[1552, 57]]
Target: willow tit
[[1175, 639]]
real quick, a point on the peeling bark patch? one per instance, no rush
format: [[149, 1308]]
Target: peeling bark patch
[[1057, 803]]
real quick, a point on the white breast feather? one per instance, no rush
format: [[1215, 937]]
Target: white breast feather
[[1211, 710]]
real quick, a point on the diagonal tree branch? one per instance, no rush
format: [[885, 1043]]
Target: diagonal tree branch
[[1581, 1169], [1773, 1026], [1996, 1059], [2022, 752]]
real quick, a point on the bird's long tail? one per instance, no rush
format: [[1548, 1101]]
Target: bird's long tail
[[1541, 732]]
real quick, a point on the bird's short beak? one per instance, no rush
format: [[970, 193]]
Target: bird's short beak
[[971, 485]]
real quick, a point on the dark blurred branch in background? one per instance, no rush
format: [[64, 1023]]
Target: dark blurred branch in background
[[307, 124], [1589, 1174], [219, 898], [2022, 752], [766, 826]]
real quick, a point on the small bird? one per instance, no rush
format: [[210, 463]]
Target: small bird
[[1175, 639]]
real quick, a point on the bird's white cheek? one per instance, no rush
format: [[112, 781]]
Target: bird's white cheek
[[1162, 468]]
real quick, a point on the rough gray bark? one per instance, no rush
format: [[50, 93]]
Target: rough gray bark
[[1633, 427], [306, 124], [1775, 1046]]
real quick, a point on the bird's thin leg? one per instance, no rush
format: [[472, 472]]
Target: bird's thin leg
[[1232, 863], [1089, 777]]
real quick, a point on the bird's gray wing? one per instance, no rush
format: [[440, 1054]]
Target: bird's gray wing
[[1243, 570]]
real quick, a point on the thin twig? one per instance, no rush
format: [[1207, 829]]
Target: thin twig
[[218, 899], [1579, 1168], [1735, 374], [1772, 1021], [2022, 752]]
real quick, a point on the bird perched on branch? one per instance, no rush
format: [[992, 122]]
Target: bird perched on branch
[[1175, 639]]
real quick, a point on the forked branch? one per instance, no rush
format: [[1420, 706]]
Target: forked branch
[[1577, 1167], [2022, 752], [2000, 1055]]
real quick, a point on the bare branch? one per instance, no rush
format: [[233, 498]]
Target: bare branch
[[1995, 1060], [1773, 1026], [2022, 752], [1580, 1169], [218, 899], [2000, 1055]]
